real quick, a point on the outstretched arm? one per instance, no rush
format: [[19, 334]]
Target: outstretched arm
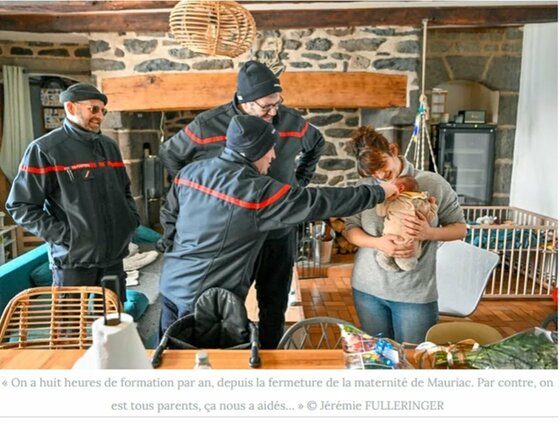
[[292, 205]]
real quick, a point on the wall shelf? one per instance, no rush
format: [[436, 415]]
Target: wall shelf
[[8, 243]]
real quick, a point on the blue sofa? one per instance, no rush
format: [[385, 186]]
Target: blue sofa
[[16, 275]]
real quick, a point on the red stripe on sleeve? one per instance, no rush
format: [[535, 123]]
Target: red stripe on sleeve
[[295, 134], [203, 141], [233, 200], [78, 166]]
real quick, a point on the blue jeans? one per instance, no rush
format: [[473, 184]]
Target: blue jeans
[[403, 322]]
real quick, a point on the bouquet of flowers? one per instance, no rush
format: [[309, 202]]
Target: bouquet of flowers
[[362, 351], [534, 348]]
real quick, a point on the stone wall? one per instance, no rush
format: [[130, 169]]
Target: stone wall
[[70, 59], [383, 50]]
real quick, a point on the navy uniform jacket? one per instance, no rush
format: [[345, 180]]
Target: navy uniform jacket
[[299, 148], [72, 190], [234, 207]]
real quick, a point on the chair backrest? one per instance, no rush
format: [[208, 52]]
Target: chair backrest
[[462, 271], [313, 333], [54, 317], [446, 333], [219, 321]]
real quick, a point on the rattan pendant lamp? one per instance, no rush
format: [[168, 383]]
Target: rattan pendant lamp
[[215, 28]]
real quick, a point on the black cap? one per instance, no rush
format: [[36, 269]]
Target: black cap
[[250, 136], [255, 81], [82, 92]]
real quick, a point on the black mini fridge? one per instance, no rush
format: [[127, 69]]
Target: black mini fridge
[[465, 157]]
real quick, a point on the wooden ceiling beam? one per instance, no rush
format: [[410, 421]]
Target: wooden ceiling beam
[[135, 19], [24, 6], [410, 16]]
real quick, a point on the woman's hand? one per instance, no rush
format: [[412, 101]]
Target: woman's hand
[[417, 227], [394, 246], [390, 244]]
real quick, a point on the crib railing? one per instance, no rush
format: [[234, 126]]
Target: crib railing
[[527, 244]]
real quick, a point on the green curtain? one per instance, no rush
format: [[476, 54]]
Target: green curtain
[[18, 124]]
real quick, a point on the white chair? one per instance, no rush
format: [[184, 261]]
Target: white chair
[[462, 271]]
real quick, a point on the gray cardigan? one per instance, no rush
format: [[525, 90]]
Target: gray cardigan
[[418, 285]]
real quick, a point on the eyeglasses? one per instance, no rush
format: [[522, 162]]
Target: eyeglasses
[[95, 109], [268, 107]]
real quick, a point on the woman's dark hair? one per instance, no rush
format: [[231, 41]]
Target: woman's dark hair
[[369, 148]]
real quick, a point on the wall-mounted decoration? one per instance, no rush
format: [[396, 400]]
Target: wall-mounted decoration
[[50, 97], [53, 110], [53, 117]]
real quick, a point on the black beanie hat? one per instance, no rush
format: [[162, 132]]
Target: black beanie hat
[[82, 92], [250, 136], [255, 81]]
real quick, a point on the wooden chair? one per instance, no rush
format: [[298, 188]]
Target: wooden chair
[[313, 333], [26, 241], [54, 317]]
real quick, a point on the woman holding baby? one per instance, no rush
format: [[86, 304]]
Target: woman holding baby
[[399, 304]]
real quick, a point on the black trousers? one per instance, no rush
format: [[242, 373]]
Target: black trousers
[[273, 278], [92, 277]]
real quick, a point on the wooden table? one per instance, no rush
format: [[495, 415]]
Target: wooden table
[[183, 359]]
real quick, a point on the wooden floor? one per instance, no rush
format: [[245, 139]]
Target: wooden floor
[[332, 297]]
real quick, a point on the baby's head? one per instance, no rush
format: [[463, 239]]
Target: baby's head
[[406, 183]]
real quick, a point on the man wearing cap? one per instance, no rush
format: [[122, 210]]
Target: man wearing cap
[[72, 190], [258, 94], [234, 204]]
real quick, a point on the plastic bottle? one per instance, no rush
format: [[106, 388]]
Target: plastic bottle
[[306, 245], [202, 362]]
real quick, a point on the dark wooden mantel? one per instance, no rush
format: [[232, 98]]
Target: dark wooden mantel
[[134, 16]]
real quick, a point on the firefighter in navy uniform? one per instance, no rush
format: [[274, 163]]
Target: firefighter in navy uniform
[[219, 210], [298, 150], [72, 190]]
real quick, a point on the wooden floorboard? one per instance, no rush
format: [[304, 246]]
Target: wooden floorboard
[[332, 297]]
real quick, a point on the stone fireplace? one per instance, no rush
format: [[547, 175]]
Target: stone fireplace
[[384, 50]]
